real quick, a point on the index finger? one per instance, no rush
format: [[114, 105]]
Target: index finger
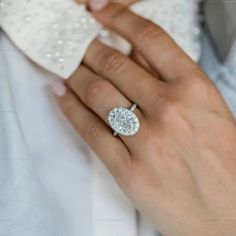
[[159, 49]]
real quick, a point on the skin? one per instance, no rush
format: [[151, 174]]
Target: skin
[[179, 170], [125, 2]]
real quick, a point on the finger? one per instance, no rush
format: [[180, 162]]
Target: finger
[[139, 59], [101, 97], [97, 93], [92, 129], [150, 40], [125, 2], [132, 80]]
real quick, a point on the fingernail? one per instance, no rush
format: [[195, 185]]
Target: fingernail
[[58, 89], [97, 5]]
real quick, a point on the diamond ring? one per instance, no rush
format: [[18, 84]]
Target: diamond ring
[[124, 121]]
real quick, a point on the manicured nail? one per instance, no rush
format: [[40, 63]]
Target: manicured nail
[[97, 5], [58, 89]]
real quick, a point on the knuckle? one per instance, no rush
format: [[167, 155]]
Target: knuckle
[[148, 30], [120, 13], [158, 97], [113, 61], [198, 85], [97, 92], [171, 109], [74, 118], [70, 111], [91, 133], [172, 105]]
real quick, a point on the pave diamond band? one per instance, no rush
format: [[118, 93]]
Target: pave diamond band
[[124, 121]]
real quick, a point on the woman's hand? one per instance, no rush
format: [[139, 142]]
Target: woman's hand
[[179, 170]]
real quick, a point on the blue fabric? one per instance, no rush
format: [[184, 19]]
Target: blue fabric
[[222, 74]]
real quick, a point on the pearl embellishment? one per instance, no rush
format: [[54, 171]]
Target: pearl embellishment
[[56, 33]]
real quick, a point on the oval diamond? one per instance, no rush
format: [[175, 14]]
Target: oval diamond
[[123, 121]]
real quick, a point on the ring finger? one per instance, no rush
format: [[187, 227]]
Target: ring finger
[[101, 96]]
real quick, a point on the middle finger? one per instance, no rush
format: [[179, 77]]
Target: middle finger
[[132, 80]]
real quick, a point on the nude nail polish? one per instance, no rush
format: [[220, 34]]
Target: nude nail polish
[[58, 89], [97, 5]]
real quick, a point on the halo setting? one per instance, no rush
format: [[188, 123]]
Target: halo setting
[[123, 121]]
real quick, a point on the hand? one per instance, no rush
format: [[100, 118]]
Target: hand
[[179, 170]]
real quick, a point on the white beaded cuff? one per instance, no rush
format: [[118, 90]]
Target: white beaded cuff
[[53, 33], [56, 33]]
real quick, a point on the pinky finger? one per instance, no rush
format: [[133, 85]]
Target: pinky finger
[[93, 130]]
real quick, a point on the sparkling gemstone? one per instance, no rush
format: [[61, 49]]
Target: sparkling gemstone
[[57, 54], [83, 19], [61, 60], [123, 121], [28, 18], [60, 42], [48, 55]]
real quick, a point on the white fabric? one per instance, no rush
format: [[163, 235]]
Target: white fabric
[[82, 202], [56, 33], [24, 208], [67, 189]]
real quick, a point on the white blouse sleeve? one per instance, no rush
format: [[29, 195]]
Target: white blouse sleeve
[[56, 33]]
